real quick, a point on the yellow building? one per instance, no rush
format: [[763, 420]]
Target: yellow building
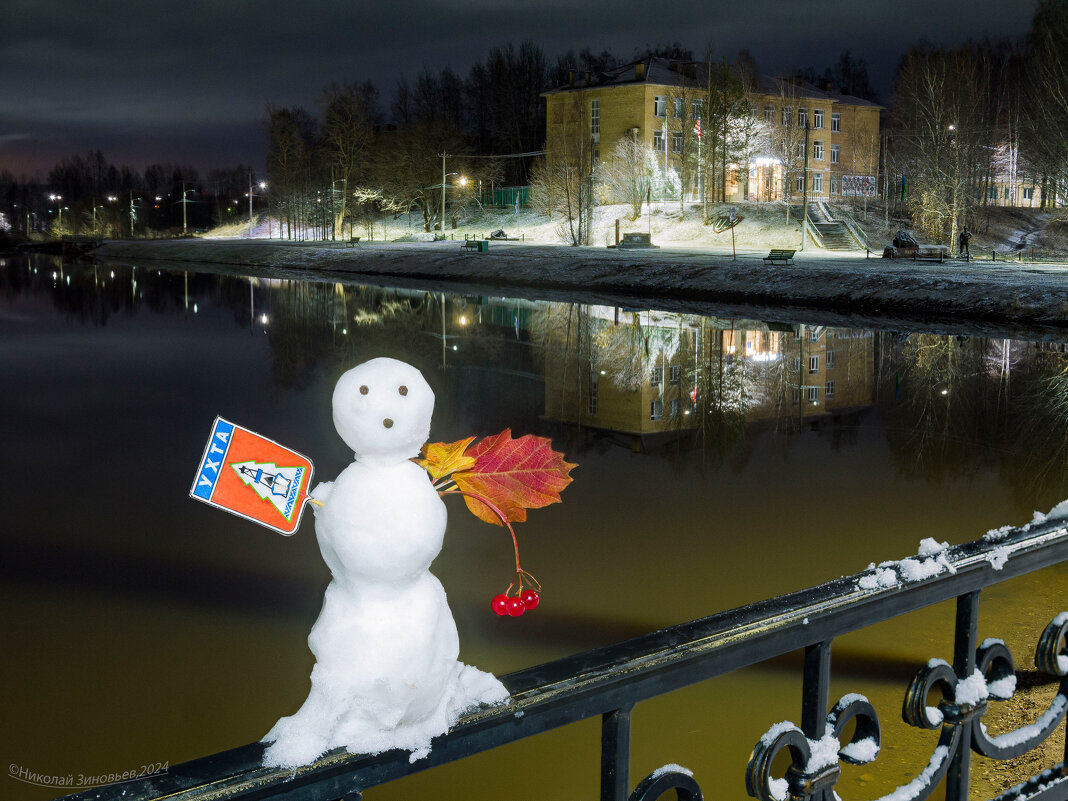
[[662, 103]]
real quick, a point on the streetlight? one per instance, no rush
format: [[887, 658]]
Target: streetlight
[[55, 199]]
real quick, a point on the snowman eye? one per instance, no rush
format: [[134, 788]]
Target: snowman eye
[[364, 390], [403, 390]]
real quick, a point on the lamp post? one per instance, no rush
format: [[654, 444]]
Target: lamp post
[[59, 207], [262, 185], [444, 175]]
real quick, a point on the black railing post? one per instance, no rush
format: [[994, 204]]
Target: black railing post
[[615, 754], [964, 642], [815, 689]]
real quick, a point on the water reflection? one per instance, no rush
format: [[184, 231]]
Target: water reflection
[[722, 460]]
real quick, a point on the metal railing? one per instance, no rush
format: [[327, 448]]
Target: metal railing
[[608, 682]]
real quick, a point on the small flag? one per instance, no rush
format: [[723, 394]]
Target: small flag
[[517, 204], [697, 128], [253, 477]]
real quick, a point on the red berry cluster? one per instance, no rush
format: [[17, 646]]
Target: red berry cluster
[[515, 605]]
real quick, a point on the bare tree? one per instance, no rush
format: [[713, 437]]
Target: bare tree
[[628, 174]]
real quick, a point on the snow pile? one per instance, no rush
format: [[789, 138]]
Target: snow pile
[[861, 751], [822, 753], [971, 690], [386, 673], [933, 561], [998, 557], [671, 768]]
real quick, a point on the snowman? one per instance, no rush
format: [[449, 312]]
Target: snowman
[[386, 673]]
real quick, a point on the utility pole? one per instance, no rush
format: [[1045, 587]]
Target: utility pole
[[249, 203], [133, 215], [184, 225], [804, 194], [442, 195]]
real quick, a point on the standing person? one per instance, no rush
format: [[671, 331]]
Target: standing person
[[965, 238]]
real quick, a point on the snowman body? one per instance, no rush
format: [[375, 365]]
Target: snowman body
[[386, 673]]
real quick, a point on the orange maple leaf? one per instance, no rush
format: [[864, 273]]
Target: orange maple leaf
[[441, 458], [513, 474]]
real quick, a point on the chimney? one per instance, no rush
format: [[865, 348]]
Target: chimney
[[570, 77], [639, 71]]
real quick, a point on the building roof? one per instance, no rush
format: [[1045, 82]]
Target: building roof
[[675, 73]]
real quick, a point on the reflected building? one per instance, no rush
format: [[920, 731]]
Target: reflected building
[[656, 376]]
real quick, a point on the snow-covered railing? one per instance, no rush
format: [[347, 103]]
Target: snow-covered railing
[[608, 682]]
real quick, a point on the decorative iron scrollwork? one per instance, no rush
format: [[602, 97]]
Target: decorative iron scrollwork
[[994, 660], [670, 778], [813, 763], [814, 769]]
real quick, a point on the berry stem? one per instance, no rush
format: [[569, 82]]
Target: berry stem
[[500, 515]]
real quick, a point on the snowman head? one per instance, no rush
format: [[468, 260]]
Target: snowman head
[[382, 410]]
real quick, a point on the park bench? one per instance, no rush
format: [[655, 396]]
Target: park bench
[[780, 257], [354, 241], [477, 245]]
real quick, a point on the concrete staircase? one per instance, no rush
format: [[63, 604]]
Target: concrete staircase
[[833, 235]]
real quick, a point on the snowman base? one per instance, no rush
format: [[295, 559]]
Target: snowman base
[[321, 725]]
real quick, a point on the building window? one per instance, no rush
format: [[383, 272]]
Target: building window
[[1029, 192], [814, 334], [786, 114], [1006, 193], [836, 122], [817, 150], [674, 408], [813, 364], [836, 154], [658, 141], [769, 114], [656, 410], [801, 149], [676, 142], [796, 396], [828, 390], [596, 154], [656, 376], [595, 117], [678, 104], [834, 185], [813, 394], [817, 118], [802, 117], [797, 361], [592, 406], [829, 356], [675, 374], [799, 185], [754, 112], [696, 109], [660, 106], [817, 182]]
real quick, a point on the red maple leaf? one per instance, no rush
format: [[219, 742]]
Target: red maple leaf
[[514, 475]]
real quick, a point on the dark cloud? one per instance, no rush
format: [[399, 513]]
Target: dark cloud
[[192, 79]]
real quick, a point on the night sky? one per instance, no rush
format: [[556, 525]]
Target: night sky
[[188, 82]]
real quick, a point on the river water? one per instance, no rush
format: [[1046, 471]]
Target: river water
[[720, 461]]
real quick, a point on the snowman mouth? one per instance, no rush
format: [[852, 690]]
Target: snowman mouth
[[387, 423]]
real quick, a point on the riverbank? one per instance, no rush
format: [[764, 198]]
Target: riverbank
[[845, 289]]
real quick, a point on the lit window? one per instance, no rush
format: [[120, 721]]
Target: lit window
[[836, 122], [836, 154], [817, 150], [828, 390], [813, 394], [656, 410], [660, 106], [817, 118], [658, 141]]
